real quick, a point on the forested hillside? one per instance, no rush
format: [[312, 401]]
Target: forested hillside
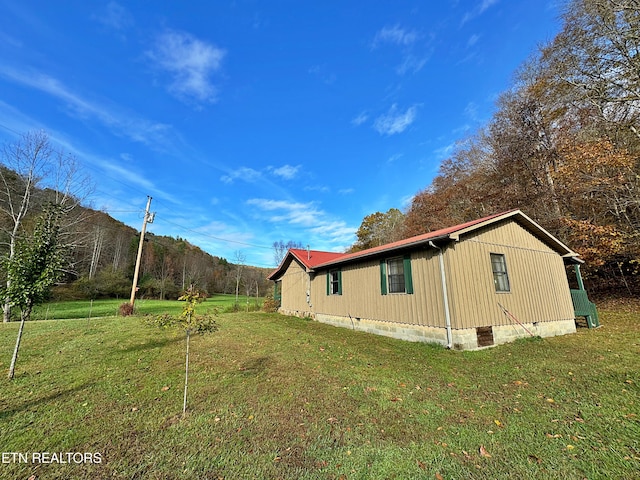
[[103, 264], [563, 146], [99, 252]]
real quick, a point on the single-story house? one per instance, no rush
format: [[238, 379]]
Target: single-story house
[[477, 284]]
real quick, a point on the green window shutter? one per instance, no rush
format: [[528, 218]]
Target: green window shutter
[[383, 277], [339, 282], [328, 283], [408, 281]]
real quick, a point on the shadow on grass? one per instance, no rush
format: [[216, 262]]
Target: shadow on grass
[[6, 413], [150, 345], [255, 366]]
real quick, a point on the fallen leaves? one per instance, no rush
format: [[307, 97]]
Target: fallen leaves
[[483, 452]]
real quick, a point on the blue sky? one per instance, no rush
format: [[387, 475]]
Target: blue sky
[[250, 122]]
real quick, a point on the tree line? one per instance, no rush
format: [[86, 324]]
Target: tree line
[[53, 246], [563, 146]]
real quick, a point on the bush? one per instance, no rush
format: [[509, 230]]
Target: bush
[[270, 305], [125, 309]]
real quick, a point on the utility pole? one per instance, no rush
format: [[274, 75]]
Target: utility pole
[[148, 218]]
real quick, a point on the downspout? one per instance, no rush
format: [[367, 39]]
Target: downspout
[[445, 296]]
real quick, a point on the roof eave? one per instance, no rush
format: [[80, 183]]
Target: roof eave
[[381, 252]]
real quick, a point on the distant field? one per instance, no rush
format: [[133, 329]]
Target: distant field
[[103, 308], [275, 397]]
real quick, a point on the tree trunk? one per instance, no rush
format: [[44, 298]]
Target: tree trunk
[[15, 351], [186, 377]]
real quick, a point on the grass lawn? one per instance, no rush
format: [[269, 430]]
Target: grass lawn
[[274, 397], [102, 308]]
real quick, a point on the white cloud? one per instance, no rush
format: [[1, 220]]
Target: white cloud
[[473, 39], [243, 173], [479, 10], [394, 157], [308, 216], [395, 121], [286, 171], [414, 55], [395, 35], [412, 64], [115, 16], [471, 111], [191, 62], [360, 119]]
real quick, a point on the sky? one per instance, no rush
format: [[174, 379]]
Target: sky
[[252, 122]]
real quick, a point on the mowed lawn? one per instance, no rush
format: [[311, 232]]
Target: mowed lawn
[[274, 397]]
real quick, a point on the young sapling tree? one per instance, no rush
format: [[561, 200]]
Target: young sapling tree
[[190, 323]]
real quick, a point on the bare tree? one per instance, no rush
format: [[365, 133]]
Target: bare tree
[[239, 260], [280, 249], [596, 54], [30, 169]]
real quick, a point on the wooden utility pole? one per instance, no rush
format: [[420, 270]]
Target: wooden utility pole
[[148, 218]]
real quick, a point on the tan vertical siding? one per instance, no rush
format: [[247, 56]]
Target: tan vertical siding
[[539, 287], [294, 288], [361, 296]]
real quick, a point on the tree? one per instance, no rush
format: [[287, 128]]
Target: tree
[[29, 165], [379, 228], [596, 56], [190, 323], [280, 249], [240, 258], [34, 268]]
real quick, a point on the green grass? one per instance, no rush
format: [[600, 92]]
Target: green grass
[[87, 309], [284, 398]]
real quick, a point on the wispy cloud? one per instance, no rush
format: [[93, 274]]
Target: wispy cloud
[[286, 171], [360, 119], [191, 63], [395, 121], [121, 122], [115, 17], [473, 39], [247, 174], [411, 44], [394, 157], [478, 10], [309, 217], [395, 35], [412, 63]]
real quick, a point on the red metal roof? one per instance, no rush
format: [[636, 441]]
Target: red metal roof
[[314, 258], [311, 258], [424, 238]]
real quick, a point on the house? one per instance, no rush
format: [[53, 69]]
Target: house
[[477, 284]]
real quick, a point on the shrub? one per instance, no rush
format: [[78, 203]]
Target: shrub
[[270, 305], [125, 309]]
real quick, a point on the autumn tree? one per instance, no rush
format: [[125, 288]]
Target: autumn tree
[[596, 56], [379, 228]]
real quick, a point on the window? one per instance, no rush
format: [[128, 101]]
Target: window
[[334, 282], [395, 272], [500, 275], [395, 275]]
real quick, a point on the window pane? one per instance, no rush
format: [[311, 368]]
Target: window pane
[[335, 283], [396, 275], [500, 275]]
